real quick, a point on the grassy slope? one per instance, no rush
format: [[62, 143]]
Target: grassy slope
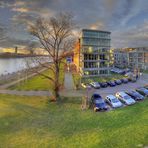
[[39, 82], [33, 122]]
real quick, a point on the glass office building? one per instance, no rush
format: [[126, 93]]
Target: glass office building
[[94, 52]]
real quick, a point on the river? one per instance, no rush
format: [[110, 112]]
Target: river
[[10, 65]]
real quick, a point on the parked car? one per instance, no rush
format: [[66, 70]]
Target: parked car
[[143, 91], [85, 85], [132, 79], [135, 95], [113, 101], [146, 86], [124, 80], [98, 102], [125, 98], [103, 84], [118, 82], [95, 85], [111, 83], [129, 74]]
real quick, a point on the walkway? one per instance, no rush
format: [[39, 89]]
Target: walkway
[[68, 83], [71, 93], [25, 93]]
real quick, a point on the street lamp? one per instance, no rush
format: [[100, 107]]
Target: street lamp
[[85, 100]]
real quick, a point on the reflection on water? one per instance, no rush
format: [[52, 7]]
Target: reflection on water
[[11, 65]]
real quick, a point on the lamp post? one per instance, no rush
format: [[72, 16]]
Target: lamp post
[[85, 100], [5, 75]]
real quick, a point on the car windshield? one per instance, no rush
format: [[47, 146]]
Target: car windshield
[[126, 97], [99, 101], [144, 89], [114, 100], [135, 93], [96, 96]]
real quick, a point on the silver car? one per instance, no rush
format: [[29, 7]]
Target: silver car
[[95, 85], [125, 98], [113, 101]]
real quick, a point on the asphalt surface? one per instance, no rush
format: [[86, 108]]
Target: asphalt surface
[[142, 81]]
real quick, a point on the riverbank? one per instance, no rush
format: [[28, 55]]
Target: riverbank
[[19, 75]]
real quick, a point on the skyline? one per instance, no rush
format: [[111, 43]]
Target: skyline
[[126, 20]]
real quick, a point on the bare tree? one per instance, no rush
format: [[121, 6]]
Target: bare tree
[[56, 37], [31, 47]]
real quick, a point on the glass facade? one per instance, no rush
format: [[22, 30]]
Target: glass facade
[[95, 46]]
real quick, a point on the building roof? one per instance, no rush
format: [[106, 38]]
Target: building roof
[[95, 30]]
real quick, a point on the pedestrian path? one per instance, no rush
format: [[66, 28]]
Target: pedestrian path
[[70, 93], [68, 83], [25, 93]]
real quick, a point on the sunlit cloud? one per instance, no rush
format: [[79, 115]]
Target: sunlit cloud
[[124, 19], [20, 10]]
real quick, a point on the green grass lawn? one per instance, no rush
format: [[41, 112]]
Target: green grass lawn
[[76, 78], [38, 82], [145, 71], [34, 122]]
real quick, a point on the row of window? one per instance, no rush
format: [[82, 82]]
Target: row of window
[[95, 72], [96, 34], [95, 64], [95, 57], [96, 42], [94, 49]]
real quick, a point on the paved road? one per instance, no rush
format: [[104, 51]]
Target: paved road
[[68, 83], [123, 87], [25, 93]]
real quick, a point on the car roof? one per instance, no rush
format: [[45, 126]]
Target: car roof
[[96, 94], [141, 88], [122, 93], [111, 96]]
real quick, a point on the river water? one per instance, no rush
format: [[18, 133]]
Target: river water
[[10, 65]]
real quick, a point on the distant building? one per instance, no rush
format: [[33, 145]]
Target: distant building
[[16, 50], [92, 53], [121, 59], [134, 58]]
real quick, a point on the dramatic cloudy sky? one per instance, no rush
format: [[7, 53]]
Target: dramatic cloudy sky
[[126, 19]]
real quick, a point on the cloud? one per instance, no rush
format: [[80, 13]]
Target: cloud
[[22, 10], [23, 18], [98, 25], [110, 15], [132, 37], [12, 42]]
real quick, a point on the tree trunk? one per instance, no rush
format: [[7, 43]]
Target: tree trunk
[[57, 85]]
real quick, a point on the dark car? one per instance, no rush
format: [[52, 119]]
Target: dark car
[[118, 82], [111, 83], [146, 86], [103, 84], [132, 79], [135, 95], [124, 80], [98, 103], [143, 91]]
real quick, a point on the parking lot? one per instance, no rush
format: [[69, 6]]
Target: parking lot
[[143, 80]]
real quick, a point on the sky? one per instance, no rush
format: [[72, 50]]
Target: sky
[[127, 20]]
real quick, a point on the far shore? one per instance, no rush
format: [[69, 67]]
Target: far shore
[[14, 55]]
